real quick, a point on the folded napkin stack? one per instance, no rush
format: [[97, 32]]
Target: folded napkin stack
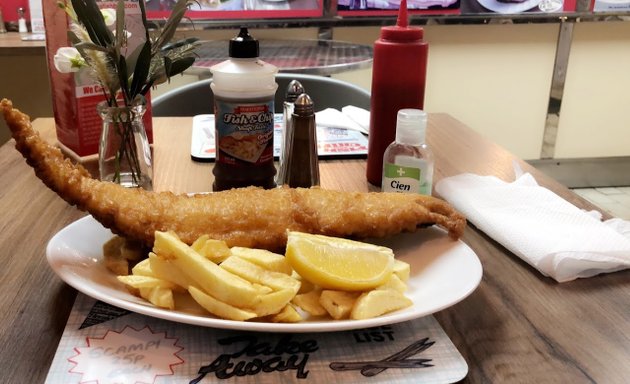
[[350, 117], [554, 236]]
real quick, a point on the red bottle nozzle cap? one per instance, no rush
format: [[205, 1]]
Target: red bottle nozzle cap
[[403, 20], [402, 30]]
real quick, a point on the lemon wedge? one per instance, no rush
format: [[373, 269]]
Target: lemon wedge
[[335, 263]]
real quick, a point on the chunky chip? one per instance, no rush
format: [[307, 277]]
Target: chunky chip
[[248, 284]]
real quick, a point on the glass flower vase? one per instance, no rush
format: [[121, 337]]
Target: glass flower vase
[[124, 155]]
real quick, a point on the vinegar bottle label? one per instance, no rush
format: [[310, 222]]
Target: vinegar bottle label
[[244, 133]]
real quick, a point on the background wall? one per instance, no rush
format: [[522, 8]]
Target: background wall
[[9, 9], [595, 121]]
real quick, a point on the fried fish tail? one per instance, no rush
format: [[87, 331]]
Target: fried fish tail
[[49, 164], [374, 214], [70, 181], [248, 217]]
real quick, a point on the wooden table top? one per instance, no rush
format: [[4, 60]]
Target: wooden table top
[[517, 327], [12, 44]]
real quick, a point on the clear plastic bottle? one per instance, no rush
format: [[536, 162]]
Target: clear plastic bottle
[[244, 88], [408, 161]]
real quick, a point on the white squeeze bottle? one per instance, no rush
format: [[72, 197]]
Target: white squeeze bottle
[[408, 161], [244, 88]]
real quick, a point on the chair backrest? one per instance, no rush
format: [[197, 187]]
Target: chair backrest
[[197, 98]]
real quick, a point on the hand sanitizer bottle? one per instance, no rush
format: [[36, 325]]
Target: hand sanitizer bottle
[[408, 161]]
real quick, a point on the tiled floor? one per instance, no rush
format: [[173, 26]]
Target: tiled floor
[[615, 200]]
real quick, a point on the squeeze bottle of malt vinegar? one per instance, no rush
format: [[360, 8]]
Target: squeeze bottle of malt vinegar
[[244, 88], [398, 80]]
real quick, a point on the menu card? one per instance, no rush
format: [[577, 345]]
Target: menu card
[[106, 345], [331, 142]]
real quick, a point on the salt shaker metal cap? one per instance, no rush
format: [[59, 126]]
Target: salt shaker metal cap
[[294, 89], [303, 106]]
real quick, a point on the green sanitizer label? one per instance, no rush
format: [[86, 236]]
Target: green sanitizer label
[[398, 178]]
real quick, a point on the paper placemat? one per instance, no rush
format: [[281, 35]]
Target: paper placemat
[[105, 345], [331, 142]]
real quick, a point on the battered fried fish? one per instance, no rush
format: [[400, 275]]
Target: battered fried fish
[[248, 217]]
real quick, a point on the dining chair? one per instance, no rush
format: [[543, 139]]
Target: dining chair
[[197, 98]]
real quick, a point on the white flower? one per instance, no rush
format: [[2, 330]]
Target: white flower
[[68, 59], [109, 15]]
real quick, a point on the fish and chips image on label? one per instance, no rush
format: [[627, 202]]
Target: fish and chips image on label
[[244, 133]]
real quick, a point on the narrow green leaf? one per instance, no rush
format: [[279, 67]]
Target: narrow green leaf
[[143, 13], [132, 59], [73, 39], [142, 69], [147, 86], [158, 78], [120, 23], [179, 66], [173, 21], [167, 65], [123, 77], [180, 43]]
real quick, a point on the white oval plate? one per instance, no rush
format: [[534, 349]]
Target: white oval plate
[[443, 272], [509, 8]]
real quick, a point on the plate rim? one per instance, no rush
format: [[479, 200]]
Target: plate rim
[[213, 322], [509, 8]]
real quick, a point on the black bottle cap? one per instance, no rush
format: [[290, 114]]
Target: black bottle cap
[[243, 46]]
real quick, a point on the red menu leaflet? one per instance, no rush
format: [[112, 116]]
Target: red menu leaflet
[[331, 142]]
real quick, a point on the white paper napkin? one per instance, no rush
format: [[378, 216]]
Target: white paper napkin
[[335, 118], [358, 115], [554, 236]]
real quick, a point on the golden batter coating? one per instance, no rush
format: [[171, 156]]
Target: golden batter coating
[[248, 217]]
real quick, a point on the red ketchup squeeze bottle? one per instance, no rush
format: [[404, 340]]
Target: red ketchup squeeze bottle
[[398, 79]]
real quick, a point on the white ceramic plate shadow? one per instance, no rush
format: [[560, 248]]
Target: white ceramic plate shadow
[[509, 8], [443, 272]]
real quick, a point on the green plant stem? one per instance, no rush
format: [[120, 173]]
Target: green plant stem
[[127, 150]]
